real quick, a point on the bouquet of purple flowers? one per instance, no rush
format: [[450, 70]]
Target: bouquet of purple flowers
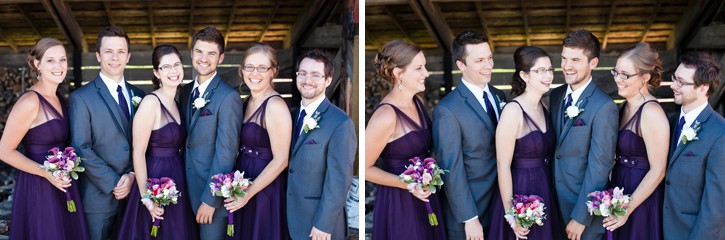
[[230, 185], [161, 192], [605, 203], [526, 211], [64, 164], [424, 174]]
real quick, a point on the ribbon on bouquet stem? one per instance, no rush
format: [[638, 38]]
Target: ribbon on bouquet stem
[[609, 235], [431, 215], [69, 201], [230, 226], [155, 227]]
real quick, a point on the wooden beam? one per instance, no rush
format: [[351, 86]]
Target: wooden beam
[[107, 6], [269, 21], [67, 24], [191, 22], [384, 2], [525, 14], [568, 17], [314, 13], [28, 21], [151, 24], [486, 30], [651, 20], [397, 24], [7, 39], [230, 22], [374, 42], [609, 23], [433, 20]]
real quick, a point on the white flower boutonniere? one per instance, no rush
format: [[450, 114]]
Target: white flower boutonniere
[[574, 110], [135, 100], [501, 103], [689, 134], [311, 122], [200, 102]]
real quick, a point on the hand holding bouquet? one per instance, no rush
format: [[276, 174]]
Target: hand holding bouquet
[[605, 203], [230, 185], [159, 192], [64, 164], [526, 211], [424, 174]]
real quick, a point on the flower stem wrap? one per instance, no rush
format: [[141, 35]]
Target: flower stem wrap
[[431, 215], [155, 227], [69, 201], [230, 226]]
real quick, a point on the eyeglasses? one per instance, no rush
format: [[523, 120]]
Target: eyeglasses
[[313, 76], [543, 70], [260, 69], [622, 76], [167, 68], [680, 83]]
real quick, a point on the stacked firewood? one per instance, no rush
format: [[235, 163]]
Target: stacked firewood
[[13, 81]]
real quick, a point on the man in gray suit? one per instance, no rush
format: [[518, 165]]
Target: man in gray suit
[[104, 140], [321, 162], [694, 184], [213, 114], [464, 128], [586, 122]]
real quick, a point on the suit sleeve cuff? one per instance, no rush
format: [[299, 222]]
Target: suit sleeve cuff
[[473, 218]]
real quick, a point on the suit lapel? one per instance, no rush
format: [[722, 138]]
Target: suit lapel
[[702, 118], [673, 139], [555, 105], [112, 106], [474, 104], [207, 96], [584, 98], [302, 138], [131, 94]]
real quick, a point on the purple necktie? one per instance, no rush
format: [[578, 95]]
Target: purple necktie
[[298, 126], [194, 96], [122, 102], [489, 109], [679, 130]]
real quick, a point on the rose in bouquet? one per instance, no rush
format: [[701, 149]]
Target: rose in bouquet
[[526, 211], [64, 164], [161, 192], [424, 174], [228, 185], [611, 202]]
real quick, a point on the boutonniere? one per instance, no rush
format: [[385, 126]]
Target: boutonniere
[[501, 103], [200, 102], [135, 100], [689, 134], [574, 110], [311, 122]]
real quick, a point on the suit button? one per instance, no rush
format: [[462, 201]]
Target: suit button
[[188, 145], [291, 170], [125, 148], [667, 182], [558, 156]]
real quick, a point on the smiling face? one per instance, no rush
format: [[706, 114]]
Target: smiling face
[[311, 89], [687, 94], [53, 66], [113, 57], [256, 81], [631, 87], [205, 58], [577, 68], [538, 79], [479, 64], [413, 76], [171, 71]]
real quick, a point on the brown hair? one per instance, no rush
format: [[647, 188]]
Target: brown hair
[[319, 56], [209, 34], [37, 52], [264, 49], [465, 38], [646, 60], [111, 32], [394, 54], [707, 70], [585, 40], [159, 52], [525, 58]]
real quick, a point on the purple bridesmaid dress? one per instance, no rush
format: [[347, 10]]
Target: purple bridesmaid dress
[[397, 213], [163, 159], [39, 208], [630, 168], [264, 216], [531, 175]]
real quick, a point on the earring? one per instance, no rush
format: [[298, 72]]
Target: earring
[[400, 87], [38, 77]]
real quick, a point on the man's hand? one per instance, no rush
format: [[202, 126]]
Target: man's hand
[[474, 230], [316, 234], [574, 230], [204, 214], [123, 187]]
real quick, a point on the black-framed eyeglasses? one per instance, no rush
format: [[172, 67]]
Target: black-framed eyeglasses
[[260, 69], [680, 83], [543, 70], [313, 76], [622, 76], [167, 68]]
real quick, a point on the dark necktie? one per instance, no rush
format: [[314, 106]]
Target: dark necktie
[[678, 130], [194, 96], [298, 126], [489, 109], [566, 105], [122, 102]]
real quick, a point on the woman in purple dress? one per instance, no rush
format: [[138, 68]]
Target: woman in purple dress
[[263, 156], [38, 121], [399, 130], [641, 148], [524, 143], [158, 136]]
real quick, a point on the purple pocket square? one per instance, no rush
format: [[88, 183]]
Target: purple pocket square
[[312, 141], [688, 154], [205, 113], [578, 122]]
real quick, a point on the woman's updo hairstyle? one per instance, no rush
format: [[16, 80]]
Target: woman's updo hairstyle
[[525, 58], [37, 52], [159, 52], [646, 60], [394, 54]]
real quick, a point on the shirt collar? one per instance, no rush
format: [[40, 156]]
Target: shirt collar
[[112, 85], [312, 107], [202, 87], [578, 93], [477, 91], [692, 115]]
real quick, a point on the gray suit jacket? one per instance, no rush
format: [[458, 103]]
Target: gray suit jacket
[[464, 144], [212, 140], [695, 183], [584, 154], [320, 173], [101, 135]]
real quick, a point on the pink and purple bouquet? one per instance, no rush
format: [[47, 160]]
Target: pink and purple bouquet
[[424, 174], [230, 185], [526, 211], [161, 192], [605, 203], [64, 164]]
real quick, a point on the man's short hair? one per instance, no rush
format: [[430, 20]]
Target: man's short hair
[[209, 34], [585, 40], [465, 38], [111, 31], [707, 70], [319, 56]]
